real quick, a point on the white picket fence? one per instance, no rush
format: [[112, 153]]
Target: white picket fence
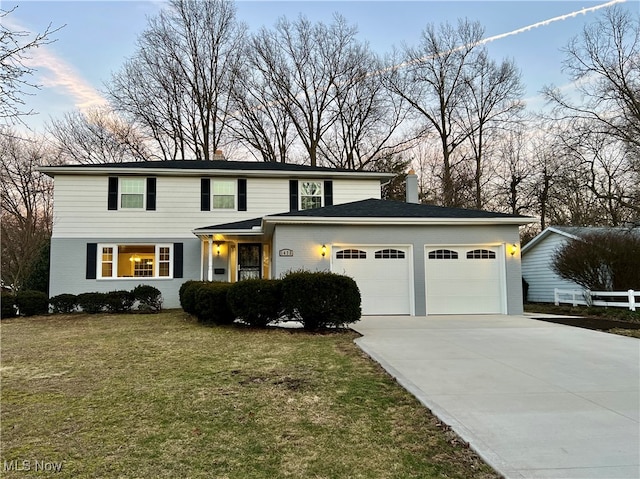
[[594, 298]]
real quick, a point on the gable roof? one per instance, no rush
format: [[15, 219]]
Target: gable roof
[[203, 168], [373, 212], [570, 232]]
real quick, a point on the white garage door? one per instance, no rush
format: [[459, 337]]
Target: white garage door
[[464, 280], [382, 274]]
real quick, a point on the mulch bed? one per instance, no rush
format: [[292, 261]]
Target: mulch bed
[[592, 323]]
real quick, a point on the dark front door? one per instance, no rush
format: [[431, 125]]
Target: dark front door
[[249, 261]]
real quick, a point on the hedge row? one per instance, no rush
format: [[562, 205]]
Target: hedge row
[[30, 303], [317, 300]]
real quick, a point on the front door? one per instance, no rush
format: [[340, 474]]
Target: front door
[[249, 261]]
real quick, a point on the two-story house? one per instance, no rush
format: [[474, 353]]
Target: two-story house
[[162, 223]]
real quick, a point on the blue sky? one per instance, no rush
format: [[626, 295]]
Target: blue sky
[[99, 36]]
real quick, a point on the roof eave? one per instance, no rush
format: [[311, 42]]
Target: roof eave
[[543, 235], [106, 170], [396, 220]]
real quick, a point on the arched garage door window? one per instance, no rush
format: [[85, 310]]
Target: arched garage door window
[[481, 254], [389, 254], [443, 254], [351, 254]]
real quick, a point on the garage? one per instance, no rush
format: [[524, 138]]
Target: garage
[[383, 275], [465, 279]]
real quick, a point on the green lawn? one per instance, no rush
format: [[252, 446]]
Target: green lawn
[[162, 396]]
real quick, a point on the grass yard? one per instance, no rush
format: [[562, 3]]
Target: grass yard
[[162, 396]]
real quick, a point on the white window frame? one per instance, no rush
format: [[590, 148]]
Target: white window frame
[[300, 193], [121, 192], [213, 194], [114, 269]]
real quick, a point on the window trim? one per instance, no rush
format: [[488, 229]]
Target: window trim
[[300, 194], [114, 261]]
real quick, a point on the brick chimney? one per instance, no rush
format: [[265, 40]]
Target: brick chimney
[[412, 187], [219, 155]]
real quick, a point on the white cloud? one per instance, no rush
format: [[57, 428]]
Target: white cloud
[[56, 73]]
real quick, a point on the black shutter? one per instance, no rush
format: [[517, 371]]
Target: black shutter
[[328, 193], [112, 201], [177, 260], [92, 260], [205, 194], [242, 195], [151, 194], [293, 195]]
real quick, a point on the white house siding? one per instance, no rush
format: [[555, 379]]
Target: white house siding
[[68, 269], [537, 272], [346, 191], [306, 242], [81, 206]]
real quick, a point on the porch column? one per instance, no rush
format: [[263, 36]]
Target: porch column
[[210, 262], [201, 259]]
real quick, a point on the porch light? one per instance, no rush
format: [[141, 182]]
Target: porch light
[[513, 249], [324, 250], [218, 249]]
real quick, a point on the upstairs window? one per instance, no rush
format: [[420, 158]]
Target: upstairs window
[[132, 193], [224, 194], [310, 195]]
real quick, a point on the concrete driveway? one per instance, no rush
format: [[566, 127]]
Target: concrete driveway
[[534, 399]]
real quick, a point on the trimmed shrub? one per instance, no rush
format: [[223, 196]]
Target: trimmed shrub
[[187, 295], [92, 303], [150, 298], [257, 302], [119, 301], [321, 299], [8, 305], [64, 303], [30, 303], [211, 303]]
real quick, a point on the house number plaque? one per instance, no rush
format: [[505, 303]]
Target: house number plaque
[[285, 252]]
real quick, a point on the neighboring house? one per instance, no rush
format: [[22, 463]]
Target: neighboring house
[[162, 223], [537, 256]]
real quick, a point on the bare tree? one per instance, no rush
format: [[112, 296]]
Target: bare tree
[[260, 119], [605, 172], [26, 215], [492, 101], [513, 171], [604, 64], [433, 78], [178, 84], [15, 47], [301, 63], [97, 136], [368, 116]]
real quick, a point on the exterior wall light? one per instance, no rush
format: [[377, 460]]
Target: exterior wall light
[[324, 250], [218, 249], [513, 249]]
